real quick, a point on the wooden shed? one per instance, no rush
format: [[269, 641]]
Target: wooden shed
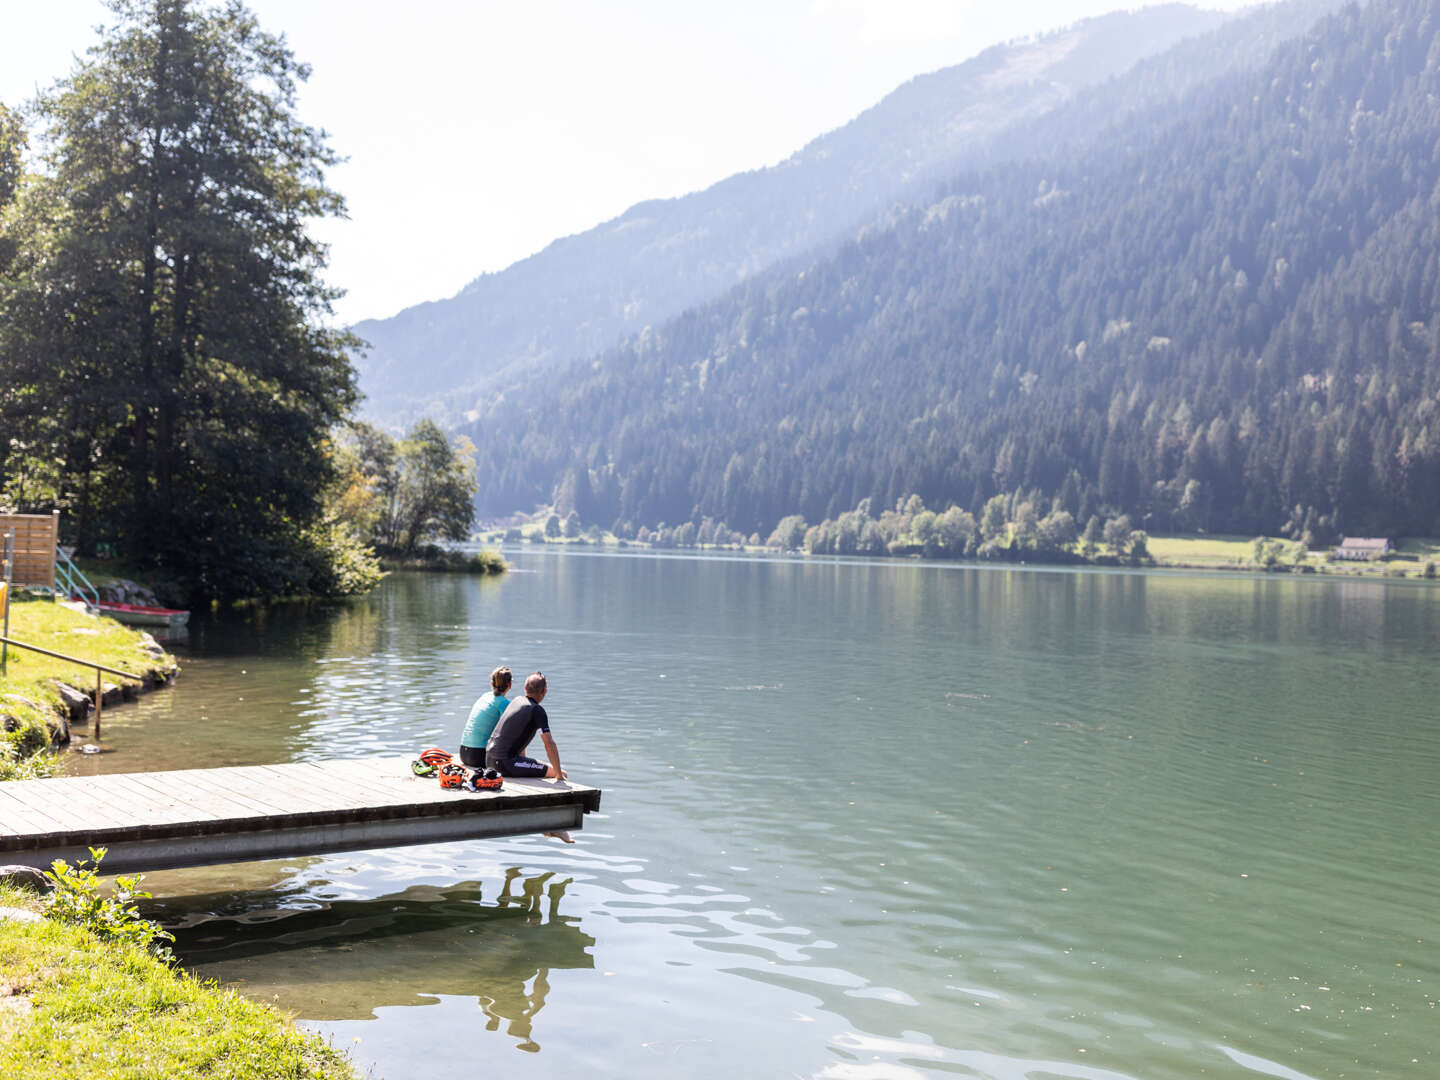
[[33, 551]]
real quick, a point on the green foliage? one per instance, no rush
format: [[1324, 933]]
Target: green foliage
[[404, 495], [1117, 534], [1057, 532], [437, 559], [1139, 546], [22, 759], [12, 145], [340, 563], [170, 377], [1268, 553], [911, 529], [77, 900], [993, 523], [364, 478], [25, 733], [437, 487], [789, 534]]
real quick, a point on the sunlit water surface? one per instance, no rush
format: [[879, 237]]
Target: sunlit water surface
[[860, 820]]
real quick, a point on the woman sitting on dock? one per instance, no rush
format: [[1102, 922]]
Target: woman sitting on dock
[[484, 714]]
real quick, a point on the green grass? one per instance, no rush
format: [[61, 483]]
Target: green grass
[[72, 1006], [28, 697], [1200, 549]]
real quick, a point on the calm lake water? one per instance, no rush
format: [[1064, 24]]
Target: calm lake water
[[861, 820]]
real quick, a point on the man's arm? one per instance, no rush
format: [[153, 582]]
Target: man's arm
[[553, 752]]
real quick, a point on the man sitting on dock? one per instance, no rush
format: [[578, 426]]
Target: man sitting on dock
[[511, 738], [517, 726]]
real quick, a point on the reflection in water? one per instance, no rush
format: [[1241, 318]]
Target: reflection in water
[[509, 1001], [344, 959]]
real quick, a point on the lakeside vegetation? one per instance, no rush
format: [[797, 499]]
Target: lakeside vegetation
[[30, 703], [170, 377], [75, 1006], [911, 531], [403, 496], [173, 385], [448, 561]]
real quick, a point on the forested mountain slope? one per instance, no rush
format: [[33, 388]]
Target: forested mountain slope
[[1207, 320], [584, 293]]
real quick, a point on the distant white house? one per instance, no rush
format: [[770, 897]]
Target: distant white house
[[1363, 547]]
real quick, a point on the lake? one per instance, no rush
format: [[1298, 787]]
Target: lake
[[862, 820]]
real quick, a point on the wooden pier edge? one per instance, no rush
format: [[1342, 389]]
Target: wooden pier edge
[[199, 817]]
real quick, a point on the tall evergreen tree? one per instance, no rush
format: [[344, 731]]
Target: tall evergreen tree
[[171, 297]]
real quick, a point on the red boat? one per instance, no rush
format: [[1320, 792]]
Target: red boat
[[139, 615]]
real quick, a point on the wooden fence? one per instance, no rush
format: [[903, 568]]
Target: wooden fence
[[34, 553]]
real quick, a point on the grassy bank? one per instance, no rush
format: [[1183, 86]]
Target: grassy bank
[[1202, 551], [30, 704], [72, 1006]]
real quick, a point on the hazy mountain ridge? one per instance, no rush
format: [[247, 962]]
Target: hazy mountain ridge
[[1205, 320], [583, 293]]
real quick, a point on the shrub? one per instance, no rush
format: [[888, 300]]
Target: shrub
[[77, 901]]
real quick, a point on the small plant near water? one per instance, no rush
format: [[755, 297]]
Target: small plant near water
[[77, 901], [20, 761]]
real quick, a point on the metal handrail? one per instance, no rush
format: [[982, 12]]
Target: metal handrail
[[99, 690], [76, 583]]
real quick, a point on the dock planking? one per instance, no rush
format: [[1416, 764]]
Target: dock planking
[[198, 817]]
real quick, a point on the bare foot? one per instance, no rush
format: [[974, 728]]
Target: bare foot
[[561, 834]]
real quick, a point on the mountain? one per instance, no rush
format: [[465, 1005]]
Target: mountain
[[584, 293], [1223, 313]]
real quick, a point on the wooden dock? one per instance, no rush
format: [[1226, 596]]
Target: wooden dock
[[196, 817]]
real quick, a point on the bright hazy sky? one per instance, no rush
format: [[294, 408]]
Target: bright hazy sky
[[478, 131]]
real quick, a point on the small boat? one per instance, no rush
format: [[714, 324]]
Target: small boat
[[140, 615]]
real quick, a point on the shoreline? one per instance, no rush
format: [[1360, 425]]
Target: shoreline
[[1403, 567], [41, 704]]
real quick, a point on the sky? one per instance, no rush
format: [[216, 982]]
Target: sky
[[475, 132]]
